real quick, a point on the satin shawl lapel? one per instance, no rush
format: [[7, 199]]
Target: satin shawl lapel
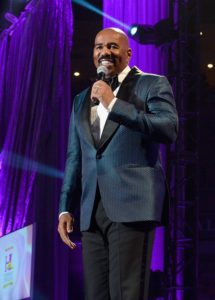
[[85, 117], [125, 93]]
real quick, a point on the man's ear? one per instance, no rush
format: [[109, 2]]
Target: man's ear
[[129, 52]]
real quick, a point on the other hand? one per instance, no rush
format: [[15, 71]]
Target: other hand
[[65, 226]]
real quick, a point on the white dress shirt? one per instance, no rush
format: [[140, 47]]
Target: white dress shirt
[[102, 111]]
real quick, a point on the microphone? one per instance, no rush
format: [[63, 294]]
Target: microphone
[[101, 72]]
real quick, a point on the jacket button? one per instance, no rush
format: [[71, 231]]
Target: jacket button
[[98, 156]]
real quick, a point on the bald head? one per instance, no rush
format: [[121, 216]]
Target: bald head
[[112, 50], [115, 30]]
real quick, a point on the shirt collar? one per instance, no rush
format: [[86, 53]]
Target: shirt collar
[[123, 74]]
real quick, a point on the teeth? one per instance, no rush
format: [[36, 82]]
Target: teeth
[[105, 62]]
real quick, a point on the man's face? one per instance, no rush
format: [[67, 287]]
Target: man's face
[[111, 50]]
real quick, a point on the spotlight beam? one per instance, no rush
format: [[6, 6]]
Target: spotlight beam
[[24, 163], [100, 12]]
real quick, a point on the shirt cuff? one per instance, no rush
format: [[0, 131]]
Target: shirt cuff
[[63, 213], [110, 106]]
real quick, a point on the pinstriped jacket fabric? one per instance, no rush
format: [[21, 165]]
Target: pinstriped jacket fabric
[[126, 163]]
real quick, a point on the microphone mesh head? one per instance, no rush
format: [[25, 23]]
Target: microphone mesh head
[[102, 69]]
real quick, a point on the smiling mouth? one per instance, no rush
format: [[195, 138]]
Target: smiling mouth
[[106, 61]]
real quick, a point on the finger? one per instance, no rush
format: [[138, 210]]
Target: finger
[[65, 238], [63, 229], [69, 243], [93, 94], [69, 226]]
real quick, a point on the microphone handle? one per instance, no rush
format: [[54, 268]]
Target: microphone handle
[[101, 76]]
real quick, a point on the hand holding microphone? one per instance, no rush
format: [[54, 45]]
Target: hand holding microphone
[[101, 91]]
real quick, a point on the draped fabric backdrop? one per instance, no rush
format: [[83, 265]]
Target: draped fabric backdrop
[[34, 116], [146, 57]]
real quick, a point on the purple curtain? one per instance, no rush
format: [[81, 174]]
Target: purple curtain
[[35, 106], [149, 59]]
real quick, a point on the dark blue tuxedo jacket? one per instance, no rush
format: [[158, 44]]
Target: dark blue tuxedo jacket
[[126, 164]]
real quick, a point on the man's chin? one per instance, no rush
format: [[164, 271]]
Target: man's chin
[[111, 71]]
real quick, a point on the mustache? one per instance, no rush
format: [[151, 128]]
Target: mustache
[[108, 57]]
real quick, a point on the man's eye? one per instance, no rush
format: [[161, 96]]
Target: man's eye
[[98, 47], [113, 47]]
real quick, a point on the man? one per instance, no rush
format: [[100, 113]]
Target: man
[[117, 177]]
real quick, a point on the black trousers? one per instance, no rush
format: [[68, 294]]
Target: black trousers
[[116, 258]]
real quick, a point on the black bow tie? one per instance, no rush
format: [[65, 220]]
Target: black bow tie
[[113, 82]]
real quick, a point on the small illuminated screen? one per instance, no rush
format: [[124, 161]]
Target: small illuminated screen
[[16, 262]]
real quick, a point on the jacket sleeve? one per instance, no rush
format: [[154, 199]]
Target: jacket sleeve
[[155, 115], [71, 188]]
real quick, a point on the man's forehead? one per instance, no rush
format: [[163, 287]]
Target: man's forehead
[[108, 37]]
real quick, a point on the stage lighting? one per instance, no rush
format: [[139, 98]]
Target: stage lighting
[[158, 34], [133, 30]]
